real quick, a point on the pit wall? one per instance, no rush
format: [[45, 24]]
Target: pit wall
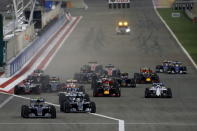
[[24, 45], [19, 42]]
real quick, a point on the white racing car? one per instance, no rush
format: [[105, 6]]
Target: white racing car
[[123, 27], [158, 90]]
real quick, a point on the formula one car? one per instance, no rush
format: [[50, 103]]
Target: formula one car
[[158, 90], [27, 87], [73, 86], [38, 108], [106, 87], [123, 28], [171, 68], [38, 77], [54, 84], [146, 76], [125, 81], [111, 71], [76, 102], [84, 77], [95, 67]]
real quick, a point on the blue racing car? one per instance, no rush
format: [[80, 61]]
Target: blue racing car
[[171, 67]]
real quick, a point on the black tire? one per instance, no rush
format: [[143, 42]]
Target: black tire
[[110, 6], [119, 5], [169, 93], [146, 93], [133, 84], [123, 5], [114, 5], [24, 111], [118, 94], [128, 5], [66, 107], [93, 107], [62, 99], [17, 90], [53, 111]]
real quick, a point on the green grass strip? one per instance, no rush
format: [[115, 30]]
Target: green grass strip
[[184, 29]]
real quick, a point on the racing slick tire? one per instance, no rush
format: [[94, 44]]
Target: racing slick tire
[[169, 93], [110, 6], [93, 107], [18, 90], [62, 99], [52, 111], [66, 107], [146, 93], [24, 111], [128, 5], [133, 84]]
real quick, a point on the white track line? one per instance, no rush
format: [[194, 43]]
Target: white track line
[[6, 101], [172, 33], [136, 124], [121, 124], [57, 123]]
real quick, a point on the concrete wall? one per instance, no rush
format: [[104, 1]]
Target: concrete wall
[[19, 42]]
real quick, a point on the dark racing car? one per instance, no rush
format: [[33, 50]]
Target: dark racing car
[[146, 76], [106, 87], [38, 109], [125, 81], [76, 102], [111, 71]]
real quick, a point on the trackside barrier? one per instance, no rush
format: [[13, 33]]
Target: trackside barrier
[[26, 54]]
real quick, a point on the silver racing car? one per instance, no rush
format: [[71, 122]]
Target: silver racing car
[[158, 90]]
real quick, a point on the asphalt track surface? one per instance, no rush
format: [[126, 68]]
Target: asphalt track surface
[[94, 38]]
